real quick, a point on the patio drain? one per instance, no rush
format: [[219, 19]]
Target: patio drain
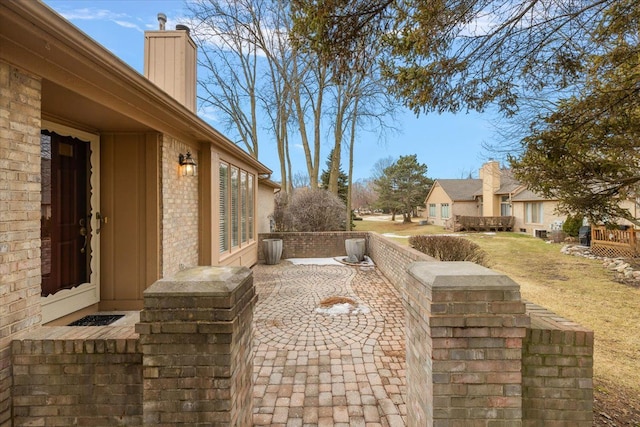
[[97, 320]]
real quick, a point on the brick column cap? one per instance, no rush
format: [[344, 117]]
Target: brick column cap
[[200, 281], [460, 275]]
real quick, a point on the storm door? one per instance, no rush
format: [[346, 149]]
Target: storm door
[[67, 223], [65, 213]]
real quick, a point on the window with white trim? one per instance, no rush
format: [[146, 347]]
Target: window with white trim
[[505, 206], [533, 212], [444, 210], [432, 210]]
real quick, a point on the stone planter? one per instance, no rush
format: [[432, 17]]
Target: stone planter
[[355, 249], [272, 251]]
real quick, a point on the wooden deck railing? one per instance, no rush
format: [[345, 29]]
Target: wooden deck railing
[[614, 243]]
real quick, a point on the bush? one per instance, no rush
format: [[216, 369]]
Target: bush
[[309, 210], [449, 248], [572, 225], [280, 216]]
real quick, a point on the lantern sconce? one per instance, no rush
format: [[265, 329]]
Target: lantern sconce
[[188, 166]]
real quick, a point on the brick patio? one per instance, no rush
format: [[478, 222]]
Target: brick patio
[[317, 369]]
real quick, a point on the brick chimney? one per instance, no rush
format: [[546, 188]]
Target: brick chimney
[[170, 62]]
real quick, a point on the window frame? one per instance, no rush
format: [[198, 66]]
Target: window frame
[[236, 210], [445, 207]]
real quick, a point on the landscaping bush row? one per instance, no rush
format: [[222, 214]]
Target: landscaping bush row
[[450, 248]]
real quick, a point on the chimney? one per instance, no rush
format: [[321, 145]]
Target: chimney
[[490, 176], [170, 61]]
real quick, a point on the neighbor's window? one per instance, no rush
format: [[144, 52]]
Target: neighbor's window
[[505, 206], [224, 207], [432, 209], [533, 212], [444, 210]]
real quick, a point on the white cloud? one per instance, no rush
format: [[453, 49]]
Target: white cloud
[[91, 14]]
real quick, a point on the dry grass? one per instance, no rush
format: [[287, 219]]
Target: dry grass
[[573, 287], [578, 289]]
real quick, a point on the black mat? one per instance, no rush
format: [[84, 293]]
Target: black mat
[[97, 320]]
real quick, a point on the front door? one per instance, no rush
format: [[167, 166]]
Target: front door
[[69, 223], [65, 212]]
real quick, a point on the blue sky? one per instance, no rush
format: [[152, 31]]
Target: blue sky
[[450, 145]]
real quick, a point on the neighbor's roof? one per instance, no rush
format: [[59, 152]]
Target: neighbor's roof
[[460, 189], [508, 184], [528, 195]]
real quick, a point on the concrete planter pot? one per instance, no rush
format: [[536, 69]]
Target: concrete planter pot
[[272, 251], [355, 249]]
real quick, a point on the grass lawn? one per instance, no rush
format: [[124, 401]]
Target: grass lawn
[[576, 288]]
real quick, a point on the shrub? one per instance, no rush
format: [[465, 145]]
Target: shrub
[[280, 215], [572, 225], [450, 248], [310, 210]]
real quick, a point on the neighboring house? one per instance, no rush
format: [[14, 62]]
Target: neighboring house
[[496, 193], [94, 207]]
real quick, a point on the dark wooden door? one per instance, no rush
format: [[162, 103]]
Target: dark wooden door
[[65, 211]]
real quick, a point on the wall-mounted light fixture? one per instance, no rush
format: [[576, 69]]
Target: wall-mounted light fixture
[[188, 166]]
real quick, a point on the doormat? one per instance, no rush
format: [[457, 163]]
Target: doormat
[[97, 320]]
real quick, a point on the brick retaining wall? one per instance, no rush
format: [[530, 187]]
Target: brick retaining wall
[[188, 362], [476, 357], [557, 371], [77, 375], [325, 244], [390, 257]]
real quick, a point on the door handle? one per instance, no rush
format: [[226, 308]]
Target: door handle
[[101, 219]]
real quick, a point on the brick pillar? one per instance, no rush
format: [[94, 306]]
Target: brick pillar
[[195, 330], [20, 97], [465, 328]]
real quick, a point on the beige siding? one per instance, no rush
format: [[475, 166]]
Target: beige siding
[[549, 217], [265, 205]]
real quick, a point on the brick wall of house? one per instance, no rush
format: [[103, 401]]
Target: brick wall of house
[[20, 95], [77, 375], [557, 371], [179, 210]]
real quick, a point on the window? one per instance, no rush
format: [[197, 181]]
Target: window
[[505, 206], [533, 212], [432, 209], [235, 187], [243, 206], [236, 209], [224, 206], [250, 207], [444, 210]]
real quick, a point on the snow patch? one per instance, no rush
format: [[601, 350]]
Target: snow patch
[[340, 309]]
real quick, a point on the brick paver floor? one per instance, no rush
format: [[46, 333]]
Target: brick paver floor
[[315, 369]]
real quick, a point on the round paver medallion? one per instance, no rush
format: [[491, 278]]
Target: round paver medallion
[[287, 319]]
